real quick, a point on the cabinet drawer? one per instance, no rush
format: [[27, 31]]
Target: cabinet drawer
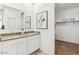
[[22, 47]]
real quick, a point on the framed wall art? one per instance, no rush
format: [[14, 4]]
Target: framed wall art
[[28, 22], [42, 20]]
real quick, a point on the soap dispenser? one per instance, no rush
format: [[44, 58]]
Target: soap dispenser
[[3, 27]]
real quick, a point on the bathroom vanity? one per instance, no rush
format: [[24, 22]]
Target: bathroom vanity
[[19, 43]]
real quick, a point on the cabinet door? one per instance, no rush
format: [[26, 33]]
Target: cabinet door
[[22, 47], [0, 48], [0, 51], [9, 50], [9, 47], [33, 43]]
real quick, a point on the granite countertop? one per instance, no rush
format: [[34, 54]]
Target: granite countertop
[[11, 36]]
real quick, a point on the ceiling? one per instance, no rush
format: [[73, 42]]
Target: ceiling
[[65, 6], [29, 6], [20, 6]]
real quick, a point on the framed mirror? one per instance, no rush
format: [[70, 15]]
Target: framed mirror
[[28, 22], [1, 17]]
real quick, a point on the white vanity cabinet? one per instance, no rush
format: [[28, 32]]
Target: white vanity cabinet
[[27, 45], [33, 43], [21, 46]]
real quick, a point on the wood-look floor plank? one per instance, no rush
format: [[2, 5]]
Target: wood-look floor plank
[[66, 48]]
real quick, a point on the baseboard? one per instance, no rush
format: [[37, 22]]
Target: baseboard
[[74, 42]]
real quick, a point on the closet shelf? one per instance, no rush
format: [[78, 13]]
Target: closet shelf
[[68, 21]]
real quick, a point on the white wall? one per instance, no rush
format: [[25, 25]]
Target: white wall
[[74, 12], [47, 35], [68, 31]]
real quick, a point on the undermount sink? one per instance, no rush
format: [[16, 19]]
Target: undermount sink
[[0, 37], [24, 32], [29, 32]]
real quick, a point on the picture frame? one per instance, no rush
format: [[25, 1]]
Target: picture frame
[[28, 22], [42, 20]]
